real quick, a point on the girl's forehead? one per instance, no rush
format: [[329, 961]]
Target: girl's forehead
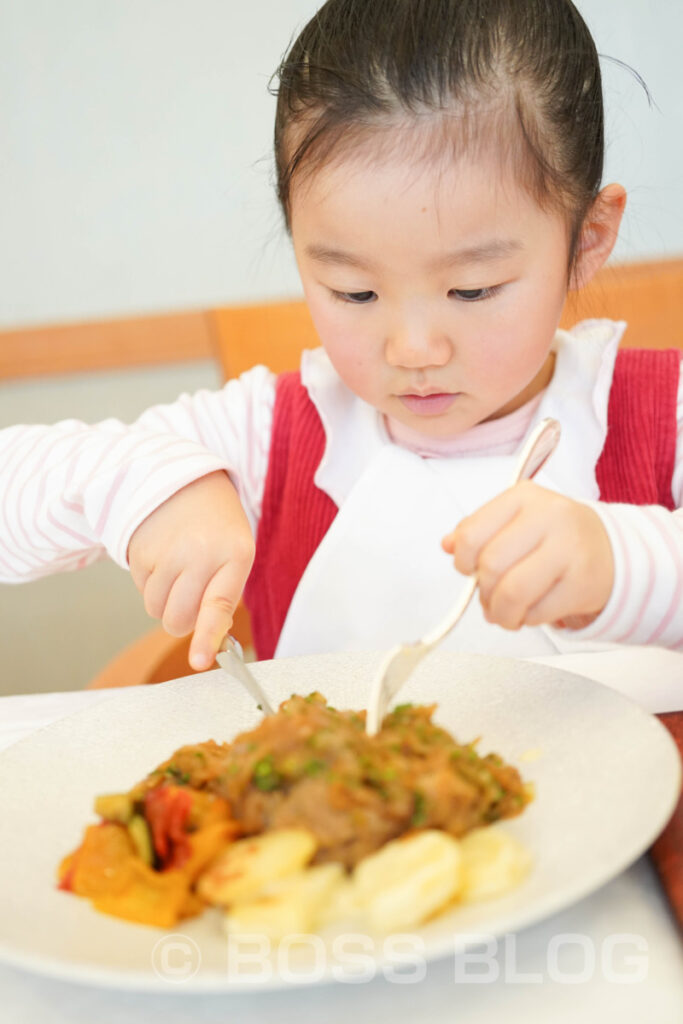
[[432, 153], [357, 194]]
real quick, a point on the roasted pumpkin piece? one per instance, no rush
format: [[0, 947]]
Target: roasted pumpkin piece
[[101, 864], [149, 897], [107, 869]]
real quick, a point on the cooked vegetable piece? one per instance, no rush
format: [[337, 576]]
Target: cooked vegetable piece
[[138, 830], [408, 880], [107, 868], [493, 862], [114, 807], [294, 904], [167, 810], [241, 872]]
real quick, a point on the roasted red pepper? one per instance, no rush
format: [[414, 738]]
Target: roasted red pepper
[[167, 809]]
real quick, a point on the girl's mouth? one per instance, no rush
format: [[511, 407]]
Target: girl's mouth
[[428, 405]]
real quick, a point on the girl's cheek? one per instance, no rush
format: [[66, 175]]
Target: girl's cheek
[[347, 357], [356, 374]]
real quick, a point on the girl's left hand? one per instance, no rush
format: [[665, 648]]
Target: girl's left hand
[[540, 558]]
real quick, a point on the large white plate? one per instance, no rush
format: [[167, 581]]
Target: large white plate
[[607, 777]]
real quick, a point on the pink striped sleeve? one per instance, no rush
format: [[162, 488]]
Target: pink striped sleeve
[[235, 423], [71, 492], [646, 605]]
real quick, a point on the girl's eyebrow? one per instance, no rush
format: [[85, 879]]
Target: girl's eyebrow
[[483, 252]]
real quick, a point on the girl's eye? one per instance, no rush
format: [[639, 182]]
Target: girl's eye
[[359, 298], [475, 294]]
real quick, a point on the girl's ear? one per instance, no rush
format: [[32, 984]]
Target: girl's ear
[[598, 234]]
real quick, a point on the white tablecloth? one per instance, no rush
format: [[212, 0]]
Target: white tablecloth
[[542, 973]]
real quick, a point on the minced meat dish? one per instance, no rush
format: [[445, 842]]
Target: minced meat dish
[[312, 766]]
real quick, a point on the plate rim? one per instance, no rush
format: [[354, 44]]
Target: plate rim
[[137, 980]]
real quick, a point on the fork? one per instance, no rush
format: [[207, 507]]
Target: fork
[[400, 662], [231, 659]]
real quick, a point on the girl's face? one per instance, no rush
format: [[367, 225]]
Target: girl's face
[[435, 291]]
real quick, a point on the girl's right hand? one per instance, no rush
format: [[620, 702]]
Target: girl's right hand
[[190, 560]]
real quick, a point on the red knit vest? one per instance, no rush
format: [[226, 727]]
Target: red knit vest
[[635, 467]]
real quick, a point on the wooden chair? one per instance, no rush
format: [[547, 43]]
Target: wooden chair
[[272, 334], [157, 657], [648, 295]]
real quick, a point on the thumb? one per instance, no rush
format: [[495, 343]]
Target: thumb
[[448, 543]]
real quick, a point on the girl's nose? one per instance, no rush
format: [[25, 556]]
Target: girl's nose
[[415, 346]]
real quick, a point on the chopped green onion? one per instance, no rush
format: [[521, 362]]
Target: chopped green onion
[[264, 776], [419, 810]]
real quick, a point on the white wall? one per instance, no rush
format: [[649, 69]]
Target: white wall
[[644, 145], [135, 176], [136, 168], [136, 139]]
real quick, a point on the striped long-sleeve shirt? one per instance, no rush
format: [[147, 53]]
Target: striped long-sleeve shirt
[[71, 492]]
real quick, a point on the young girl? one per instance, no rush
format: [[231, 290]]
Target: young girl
[[439, 168]]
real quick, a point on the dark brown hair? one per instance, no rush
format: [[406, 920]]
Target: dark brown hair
[[521, 77]]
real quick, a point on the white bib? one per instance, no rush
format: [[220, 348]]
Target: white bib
[[380, 577]]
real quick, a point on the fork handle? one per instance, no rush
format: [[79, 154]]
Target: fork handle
[[454, 615]]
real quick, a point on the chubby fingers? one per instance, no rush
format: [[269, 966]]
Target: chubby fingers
[[524, 593], [217, 610], [471, 536], [173, 594], [201, 597], [539, 557], [511, 556], [184, 601], [506, 551]]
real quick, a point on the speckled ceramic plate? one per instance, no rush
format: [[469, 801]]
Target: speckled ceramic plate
[[606, 774]]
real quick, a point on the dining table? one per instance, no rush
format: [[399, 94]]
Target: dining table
[[615, 955]]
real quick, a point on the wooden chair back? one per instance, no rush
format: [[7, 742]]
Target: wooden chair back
[[271, 334], [157, 657], [649, 296]]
